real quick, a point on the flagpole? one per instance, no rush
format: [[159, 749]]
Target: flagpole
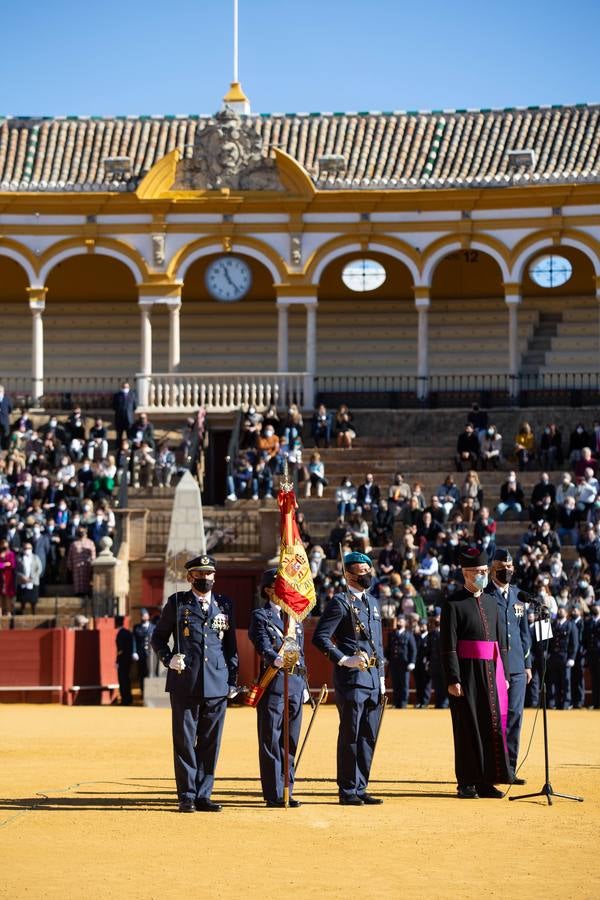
[[286, 725]]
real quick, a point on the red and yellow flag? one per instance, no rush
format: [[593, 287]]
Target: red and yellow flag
[[294, 586]]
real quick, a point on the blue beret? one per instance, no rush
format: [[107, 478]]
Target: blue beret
[[355, 558]]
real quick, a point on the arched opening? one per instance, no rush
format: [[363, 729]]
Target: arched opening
[[228, 335], [467, 302], [559, 286], [370, 329], [92, 320], [16, 325]]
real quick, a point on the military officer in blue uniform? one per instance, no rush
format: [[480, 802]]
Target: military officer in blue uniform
[[142, 637], [514, 617], [267, 634], [577, 672], [592, 652], [350, 634], [561, 659], [402, 657], [532, 693], [203, 667]]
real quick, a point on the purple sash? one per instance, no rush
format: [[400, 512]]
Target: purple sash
[[489, 650]]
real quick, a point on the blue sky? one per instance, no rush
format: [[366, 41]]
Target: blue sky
[[133, 57]]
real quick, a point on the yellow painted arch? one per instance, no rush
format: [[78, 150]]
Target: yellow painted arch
[[553, 238], [496, 249], [111, 247], [262, 253], [403, 251], [22, 255]]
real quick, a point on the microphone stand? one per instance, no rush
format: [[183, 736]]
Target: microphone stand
[[547, 790]]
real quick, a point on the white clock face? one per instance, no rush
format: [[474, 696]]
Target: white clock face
[[228, 278]]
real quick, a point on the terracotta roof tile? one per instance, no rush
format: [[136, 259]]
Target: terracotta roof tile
[[380, 149]]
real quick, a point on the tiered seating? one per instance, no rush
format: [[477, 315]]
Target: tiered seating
[[575, 346]]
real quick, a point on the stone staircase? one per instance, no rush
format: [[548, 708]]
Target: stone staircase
[[540, 342]]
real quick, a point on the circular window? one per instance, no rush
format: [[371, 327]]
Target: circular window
[[363, 275], [550, 271]]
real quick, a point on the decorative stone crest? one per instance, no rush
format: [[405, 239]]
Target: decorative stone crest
[[228, 153], [296, 249], [158, 249]]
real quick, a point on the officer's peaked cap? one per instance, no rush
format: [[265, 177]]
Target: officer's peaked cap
[[202, 563], [267, 579], [501, 555]]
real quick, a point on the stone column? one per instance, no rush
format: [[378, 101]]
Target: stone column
[[174, 335], [422, 304], [282, 337], [512, 298], [37, 304], [311, 353], [145, 352]]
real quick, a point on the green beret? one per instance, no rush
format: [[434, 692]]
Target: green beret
[[354, 558]]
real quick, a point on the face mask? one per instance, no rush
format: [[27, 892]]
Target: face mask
[[480, 582], [504, 576], [364, 580], [203, 584]]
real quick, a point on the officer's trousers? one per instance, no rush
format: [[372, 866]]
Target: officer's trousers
[[516, 702], [400, 683], [559, 682], [197, 729], [577, 683], [359, 712], [124, 673], [270, 741]]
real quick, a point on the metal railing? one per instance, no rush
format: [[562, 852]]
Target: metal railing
[[223, 392]]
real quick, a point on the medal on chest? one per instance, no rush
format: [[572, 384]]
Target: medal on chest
[[519, 609], [220, 624], [186, 622]]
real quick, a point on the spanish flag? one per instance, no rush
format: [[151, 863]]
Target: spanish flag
[[294, 586]]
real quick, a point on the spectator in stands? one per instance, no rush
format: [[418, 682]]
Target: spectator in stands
[[382, 524], [316, 475], [360, 531], [85, 478], [368, 494], [165, 466], [467, 449], [144, 463], [412, 513], [316, 557], [448, 495], [511, 496], [267, 446], [548, 538], [568, 521], [388, 560], [484, 531], [193, 438], [142, 432], [80, 557], [124, 461], [546, 510], [271, 417], [585, 462], [294, 424], [588, 548], [427, 531], [262, 480], [471, 490], [5, 411], [478, 418], [345, 497], [551, 451], [97, 444], [250, 428], [587, 492], [344, 429], [565, 489], [437, 511], [8, 571], [399, 493], [429, 564], [525, 446], [66, 473], [76, 433], [303, 530], [29, 573], [321, 427], [578, 439], [490, 448], [124, 406], [388, 606]]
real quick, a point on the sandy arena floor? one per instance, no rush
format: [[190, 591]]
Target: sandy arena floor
[[88, 811]]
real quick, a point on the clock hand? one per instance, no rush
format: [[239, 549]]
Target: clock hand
[[227, 276]]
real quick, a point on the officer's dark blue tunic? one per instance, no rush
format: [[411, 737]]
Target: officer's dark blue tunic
[[514, 616], [142, 638], [199, 694], [357, 692], [592, 657], [266, 633], [577, 672], [402, 652], [563, 647], [422, 671]]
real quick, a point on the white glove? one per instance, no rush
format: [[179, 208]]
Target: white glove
[[232, 692], [278, 662], [134, 657], [382, 685], [570, 663], [354, 662], [305, 696], [410, 667], [177, 662]]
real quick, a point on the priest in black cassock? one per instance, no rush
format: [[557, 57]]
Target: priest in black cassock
[[474, 657]]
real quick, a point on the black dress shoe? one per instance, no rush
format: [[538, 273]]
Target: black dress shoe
[[204, 804], [280, 804], [467, 792], [370, 800], [351, 801], [517, 780], [187, 806], [489, 792]]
